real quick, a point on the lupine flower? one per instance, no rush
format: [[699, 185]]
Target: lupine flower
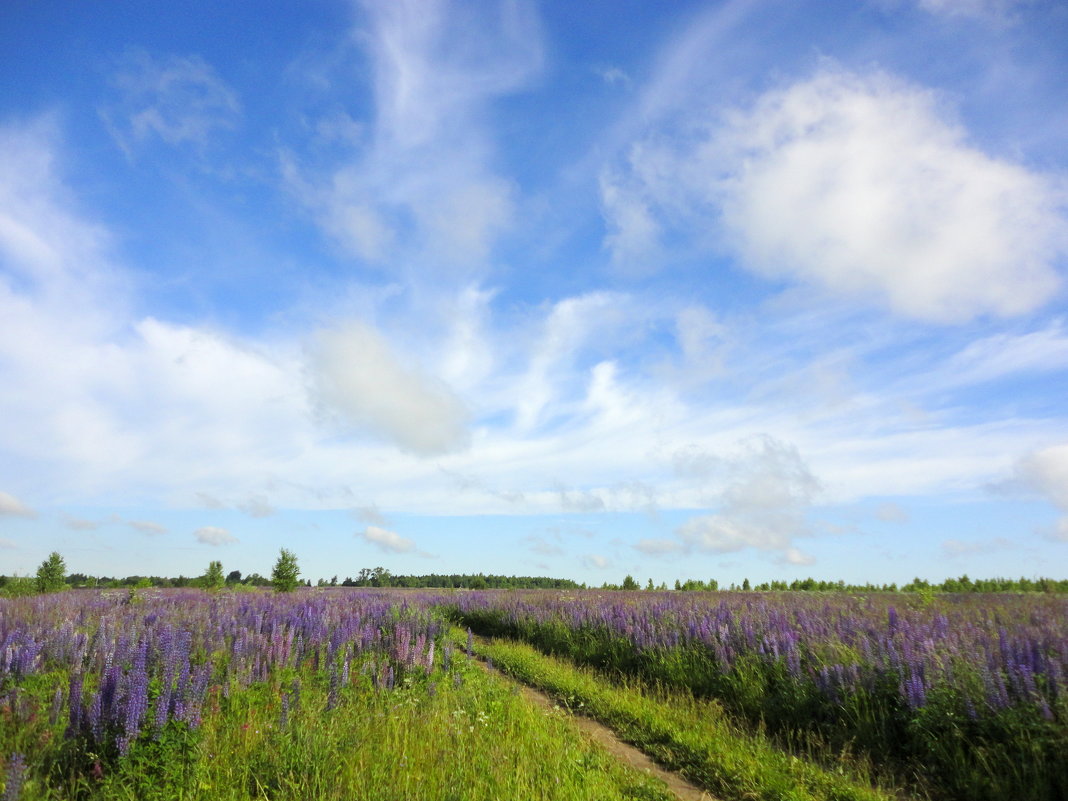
[[15, 775]]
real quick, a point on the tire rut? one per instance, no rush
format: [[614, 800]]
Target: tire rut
[[610, 741]]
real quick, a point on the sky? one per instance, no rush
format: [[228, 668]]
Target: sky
[[744, 289]]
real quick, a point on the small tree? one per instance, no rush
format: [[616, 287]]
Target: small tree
[[630, 584], [213, 579], [286, 572], [51, 574]]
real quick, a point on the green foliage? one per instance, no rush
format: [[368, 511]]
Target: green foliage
[[213, 579], [286, 572], [17, 586], [51, 574], [630, 584], [688, 735]]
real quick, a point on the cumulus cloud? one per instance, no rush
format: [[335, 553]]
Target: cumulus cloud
[[385, 540], [861, 185], [766, 494], [1046, 472], [10, 505], [792, 556], [213, 535], [356, 375], [179, 99]]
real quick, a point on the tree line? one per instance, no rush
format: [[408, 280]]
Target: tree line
[[917, 585], [52, 576]]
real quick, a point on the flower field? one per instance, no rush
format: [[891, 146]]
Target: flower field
[[369, 694], [964, 696], [342, 695]]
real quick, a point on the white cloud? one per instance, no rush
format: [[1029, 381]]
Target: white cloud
[[357, 375], [370, 514], [763, 502], [1046, 472], [861, 185], [257, 506], [147, 527], [213, 535], [7, 544], [890, 512], [423, 187], [540, 545], [179, 99], [978, 9], [658, 547], [955, 547], [10, 505], [80, 523], [1006, 354], [385, 540], [612, 75], [858, 183], [793, 556], [596, 561]]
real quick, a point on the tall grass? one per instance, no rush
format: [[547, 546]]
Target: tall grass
[[193, 696], [965, 698]]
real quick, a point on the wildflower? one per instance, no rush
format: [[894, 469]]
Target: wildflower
[[16, 774]]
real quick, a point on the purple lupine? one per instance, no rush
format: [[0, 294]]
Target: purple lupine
[[136, 700], [334, 695], [57, 706], [14, 777]]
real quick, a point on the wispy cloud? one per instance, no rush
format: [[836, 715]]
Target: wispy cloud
[[147, 527], [425, 183], [180, 99], [12, 506]]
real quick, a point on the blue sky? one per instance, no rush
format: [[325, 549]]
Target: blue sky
[[743, 289]]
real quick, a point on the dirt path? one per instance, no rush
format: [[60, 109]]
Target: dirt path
[[608, 739]]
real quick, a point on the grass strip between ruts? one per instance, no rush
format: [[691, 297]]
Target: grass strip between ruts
[[695, 738]]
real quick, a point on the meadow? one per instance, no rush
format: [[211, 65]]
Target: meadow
[[377, 694]]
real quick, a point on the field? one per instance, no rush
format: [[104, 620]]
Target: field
[[382, 695]]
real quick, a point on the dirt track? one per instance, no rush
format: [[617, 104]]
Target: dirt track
[[604, 736]]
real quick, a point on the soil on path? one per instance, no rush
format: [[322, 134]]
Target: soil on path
[[608, 739]]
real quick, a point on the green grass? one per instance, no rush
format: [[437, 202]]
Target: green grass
[[692, 736], [465, 736]]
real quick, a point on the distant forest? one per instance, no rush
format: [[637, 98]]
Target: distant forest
[[381, 577]]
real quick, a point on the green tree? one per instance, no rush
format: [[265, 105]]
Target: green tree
[[630, 584], [286, 572], [213, 579], [51, 574]]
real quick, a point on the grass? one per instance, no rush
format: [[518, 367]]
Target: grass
[[692, 736], [461, 735]]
